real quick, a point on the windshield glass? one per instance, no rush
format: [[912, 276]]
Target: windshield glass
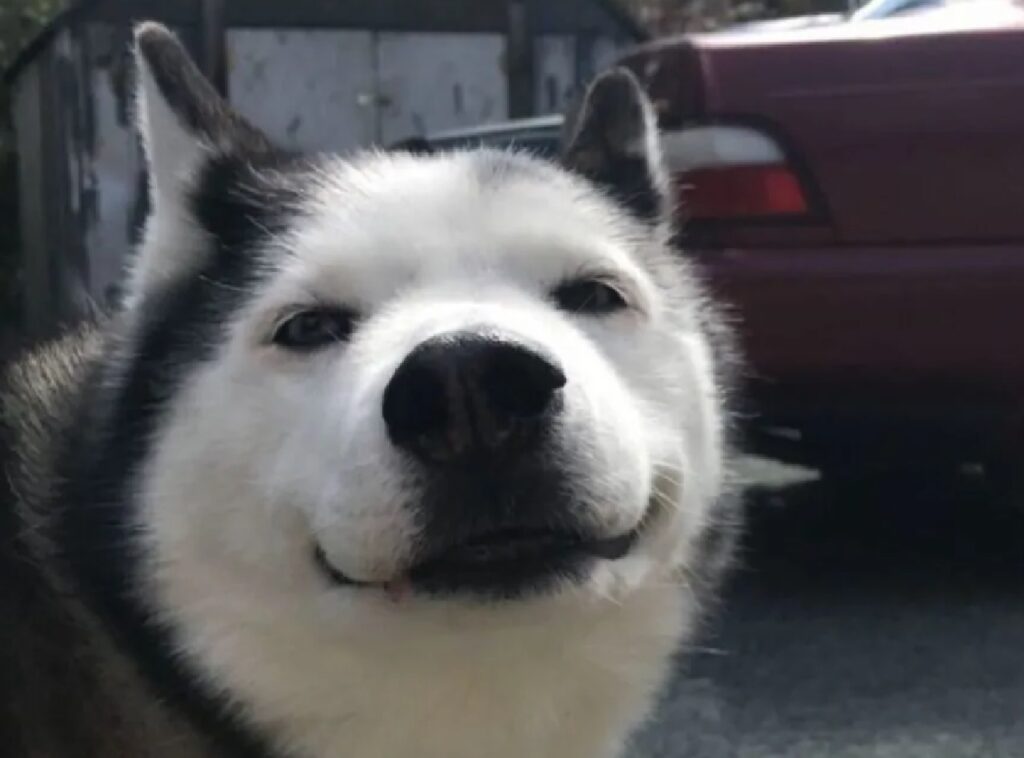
[[876, 9]]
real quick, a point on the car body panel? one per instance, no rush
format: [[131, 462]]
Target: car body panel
[[933, 119], [888, 315], [900, 306]]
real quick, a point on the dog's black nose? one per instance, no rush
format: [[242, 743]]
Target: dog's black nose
[[462, 397]]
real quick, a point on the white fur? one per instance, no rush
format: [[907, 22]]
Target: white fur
[[173, 243], [264, 452]]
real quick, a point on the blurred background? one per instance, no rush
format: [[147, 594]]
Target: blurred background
[[851, 182]]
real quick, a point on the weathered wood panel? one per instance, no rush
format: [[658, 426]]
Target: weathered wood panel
[[109, 161], [308, 89], [547, 16], [555, 80], [316, 74], [37, 302], [434, 81]]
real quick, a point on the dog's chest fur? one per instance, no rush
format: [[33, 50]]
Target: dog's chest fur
[[66, 688], [522, 686], [68, 691]]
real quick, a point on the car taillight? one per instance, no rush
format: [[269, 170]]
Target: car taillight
[[733, 173]]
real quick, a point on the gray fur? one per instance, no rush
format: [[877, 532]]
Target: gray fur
[[67, 689]]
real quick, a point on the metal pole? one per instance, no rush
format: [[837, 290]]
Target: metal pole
[[212, 30], [519, 60]]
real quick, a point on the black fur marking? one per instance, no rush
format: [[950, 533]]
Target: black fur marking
[[239, 206], [413, 146], [526, 492], [190, 95], [613, 123], [182, 327]]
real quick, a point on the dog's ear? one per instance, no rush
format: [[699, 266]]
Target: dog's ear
[[179, 114], [612, 139], [189, 134]]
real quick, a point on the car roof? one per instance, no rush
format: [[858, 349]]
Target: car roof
[[976, 15]]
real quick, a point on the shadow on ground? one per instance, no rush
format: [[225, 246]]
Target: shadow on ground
[[881, 618]]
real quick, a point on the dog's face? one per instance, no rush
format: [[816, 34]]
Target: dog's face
[[470, 376]]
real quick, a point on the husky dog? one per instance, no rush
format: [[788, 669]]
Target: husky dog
[[383, 457]]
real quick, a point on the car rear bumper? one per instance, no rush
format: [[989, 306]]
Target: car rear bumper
[[916, 341], [818, 424]]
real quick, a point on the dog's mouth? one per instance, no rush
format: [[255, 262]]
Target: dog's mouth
[[503, 563]]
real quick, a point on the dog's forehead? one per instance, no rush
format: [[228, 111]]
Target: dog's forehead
[[373, 225]]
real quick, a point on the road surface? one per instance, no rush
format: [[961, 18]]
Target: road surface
[[886, 621]]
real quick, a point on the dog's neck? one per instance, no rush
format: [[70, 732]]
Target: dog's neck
[[554, 681]]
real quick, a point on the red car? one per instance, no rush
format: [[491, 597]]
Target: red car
[[856, 192]]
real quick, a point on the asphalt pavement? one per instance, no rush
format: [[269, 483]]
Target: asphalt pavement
[[882, 619]]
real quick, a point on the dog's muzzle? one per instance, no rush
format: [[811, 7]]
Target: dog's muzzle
[[477, 418]]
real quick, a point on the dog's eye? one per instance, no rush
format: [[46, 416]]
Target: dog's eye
[[589, 296], [314, 328]]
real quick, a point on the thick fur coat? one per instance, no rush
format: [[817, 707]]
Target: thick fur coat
[[383, 457]]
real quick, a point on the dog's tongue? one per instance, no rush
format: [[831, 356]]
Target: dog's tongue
[[398, 589]]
